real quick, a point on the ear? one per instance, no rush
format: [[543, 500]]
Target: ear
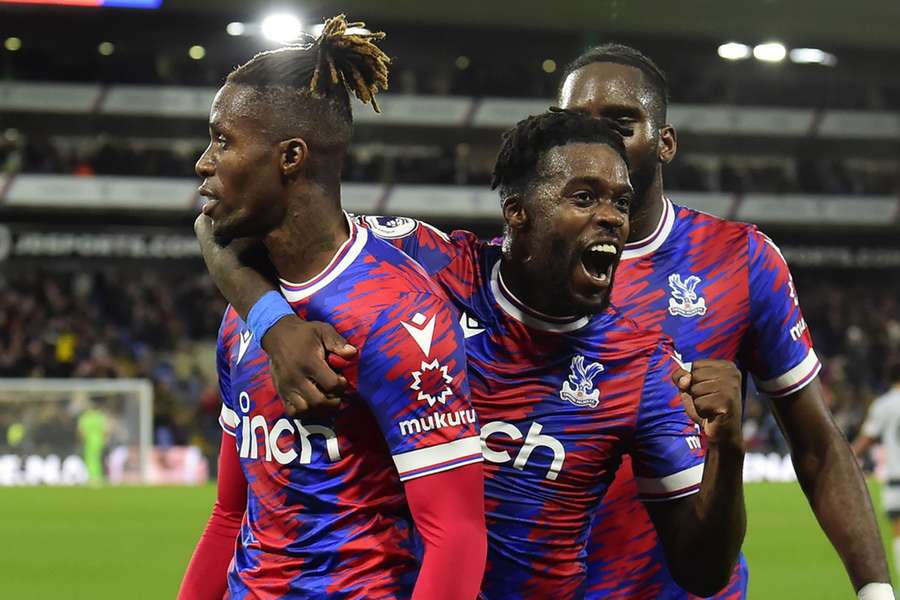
[[514, 212], [668, 144], [293, 153]]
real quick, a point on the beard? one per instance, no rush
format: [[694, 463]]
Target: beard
[[549, 266]]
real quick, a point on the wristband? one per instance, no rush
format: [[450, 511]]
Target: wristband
[[876, 591], [267, 311]]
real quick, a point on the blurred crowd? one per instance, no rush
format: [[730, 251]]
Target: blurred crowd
[[856, 331], [120, 323], [460, 164], [162, 326]]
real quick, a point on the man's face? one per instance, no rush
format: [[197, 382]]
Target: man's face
[[620, 93], [242, 180], [577, 209]]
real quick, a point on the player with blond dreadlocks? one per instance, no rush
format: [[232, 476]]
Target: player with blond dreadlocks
[[326, 507]]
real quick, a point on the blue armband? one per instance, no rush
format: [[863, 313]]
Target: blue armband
[[267, 311]]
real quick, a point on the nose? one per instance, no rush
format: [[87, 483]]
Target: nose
[[205, 167], [607, 216]]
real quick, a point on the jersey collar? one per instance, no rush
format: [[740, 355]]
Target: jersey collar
[[652, 242], [342, 259], [517, 309]]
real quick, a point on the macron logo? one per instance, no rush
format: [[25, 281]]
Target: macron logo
[[421, 332], [470, 326], [246, 336]]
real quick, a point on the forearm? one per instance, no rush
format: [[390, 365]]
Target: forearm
[[833, 483], [451, 523], [206, 575], [861, 445], [236, 269], [836, 490], [708, 532], [454, 569]]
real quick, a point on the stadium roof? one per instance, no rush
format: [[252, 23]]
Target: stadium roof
[[860, 23]]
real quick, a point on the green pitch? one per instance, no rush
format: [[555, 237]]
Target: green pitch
[[94, 544]]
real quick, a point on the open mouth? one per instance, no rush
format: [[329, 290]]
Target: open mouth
[[598, 260]]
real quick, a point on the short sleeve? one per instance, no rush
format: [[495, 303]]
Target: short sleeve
[[412, 374], [228, 417], [451, 260], [667, 456], [873, 426], [781, 356]]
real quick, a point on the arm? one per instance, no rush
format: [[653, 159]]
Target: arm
[[453, 532], [702, 533], [296, 348], [206, 575], [407, 380], [861, 445], [782, 359], [241, 270], [833, 483]]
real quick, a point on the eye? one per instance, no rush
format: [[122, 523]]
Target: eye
[[622, 203], [223, 143], [583, 198]]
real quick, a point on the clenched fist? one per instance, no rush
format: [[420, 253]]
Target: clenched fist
[[711, 392]]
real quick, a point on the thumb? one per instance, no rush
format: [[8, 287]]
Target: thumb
[[335, 343], [682, 378]]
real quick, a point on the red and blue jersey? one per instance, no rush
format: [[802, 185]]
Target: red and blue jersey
[[326, 513], [560, 400], [720, 290]]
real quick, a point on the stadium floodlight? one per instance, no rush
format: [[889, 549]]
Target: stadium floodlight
[[197, 52], [735, 51], [813, 56], [770, 52], [235, 28], [282, 28], [12, 44]]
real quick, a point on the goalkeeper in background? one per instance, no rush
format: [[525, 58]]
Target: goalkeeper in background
[[93, 428]]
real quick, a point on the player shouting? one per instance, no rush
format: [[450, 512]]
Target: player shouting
[[329, 498]]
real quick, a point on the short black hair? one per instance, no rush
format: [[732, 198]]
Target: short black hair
[[308, 84], [632, 57], [523, 146]]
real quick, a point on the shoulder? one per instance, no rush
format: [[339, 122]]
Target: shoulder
[[383, 286], [705, 227], [888, 400], [392, 270]]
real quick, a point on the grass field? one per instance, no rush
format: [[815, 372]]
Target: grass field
[[89, 544]]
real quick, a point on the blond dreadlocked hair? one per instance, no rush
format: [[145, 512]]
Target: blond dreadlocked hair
[[336, 62], [307, 86], [351, 59]]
